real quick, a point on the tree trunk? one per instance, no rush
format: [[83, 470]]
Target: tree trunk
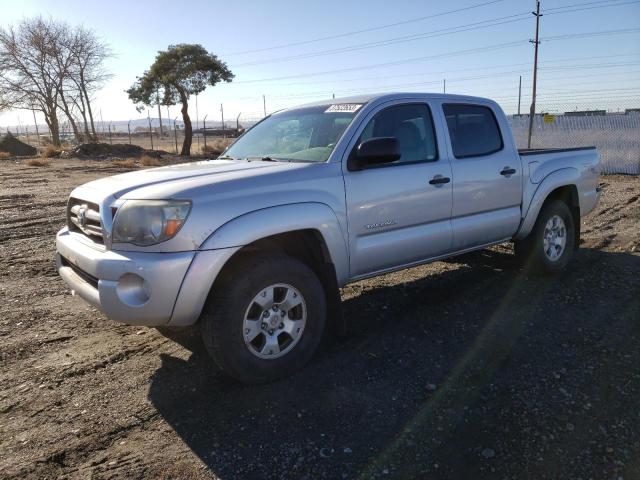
[[67, 111], [83, 111], [188, 131], [88, 100], [52, 121]]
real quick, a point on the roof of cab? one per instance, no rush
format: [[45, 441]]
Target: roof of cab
[[381, 97]]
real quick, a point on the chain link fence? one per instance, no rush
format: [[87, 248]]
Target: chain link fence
[[616, 136]]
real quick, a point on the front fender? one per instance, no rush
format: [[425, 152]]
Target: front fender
[[266, 222], [556, 179]]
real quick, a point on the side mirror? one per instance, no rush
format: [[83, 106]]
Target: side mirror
[[375, 151]]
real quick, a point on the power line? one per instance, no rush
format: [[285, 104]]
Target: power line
[[366, 30], [423, 83], [591, 34], [445, 54], [387, 64], [432, 34], [396, 40], [491, 67]]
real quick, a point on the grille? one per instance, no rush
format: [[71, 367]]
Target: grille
[[84, 217]]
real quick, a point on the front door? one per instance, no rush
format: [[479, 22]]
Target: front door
[[399, 213]]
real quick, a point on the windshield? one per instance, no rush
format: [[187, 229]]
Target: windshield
[[304, 134]]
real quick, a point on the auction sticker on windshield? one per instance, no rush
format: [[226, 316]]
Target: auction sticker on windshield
[[343, 107]]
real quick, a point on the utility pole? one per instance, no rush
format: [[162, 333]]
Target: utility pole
[[159, 112], [519, 94], [536, 42], [264, 105], [444, 85]]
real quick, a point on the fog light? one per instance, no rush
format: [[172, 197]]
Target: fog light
[[132, 290]]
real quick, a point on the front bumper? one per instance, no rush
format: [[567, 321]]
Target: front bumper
[[132, 287]]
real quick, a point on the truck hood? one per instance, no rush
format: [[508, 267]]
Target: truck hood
[[119, 185]]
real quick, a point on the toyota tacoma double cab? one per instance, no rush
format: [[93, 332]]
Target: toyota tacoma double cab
[[255, 245]]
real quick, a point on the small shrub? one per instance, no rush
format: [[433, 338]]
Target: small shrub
[[34, 162], [4, 155], [124, 163], [148, 161], [51, 152]]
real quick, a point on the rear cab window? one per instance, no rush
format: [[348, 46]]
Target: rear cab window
[[473, 130]]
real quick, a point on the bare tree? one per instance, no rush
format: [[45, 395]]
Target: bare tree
[[87, 72], [49, 66], [28, 73]]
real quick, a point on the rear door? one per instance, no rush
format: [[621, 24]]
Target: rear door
[[396, 216], [487, 177]]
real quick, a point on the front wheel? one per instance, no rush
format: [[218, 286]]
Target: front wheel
[[550, 245], [265, 318]]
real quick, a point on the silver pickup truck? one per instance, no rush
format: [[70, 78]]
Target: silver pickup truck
[[255, 245]]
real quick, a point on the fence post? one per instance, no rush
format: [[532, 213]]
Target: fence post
[[129, 130], [175, 133], [110, 139], [150, 130], [204, 132]]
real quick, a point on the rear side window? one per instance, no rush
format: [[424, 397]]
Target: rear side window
[[473, 130]]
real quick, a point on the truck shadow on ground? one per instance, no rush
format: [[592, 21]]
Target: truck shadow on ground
[[430, 374]]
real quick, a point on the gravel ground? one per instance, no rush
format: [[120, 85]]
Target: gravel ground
[[459, 369]]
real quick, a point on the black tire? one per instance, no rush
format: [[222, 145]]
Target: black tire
[[221, 323], [531, 251]]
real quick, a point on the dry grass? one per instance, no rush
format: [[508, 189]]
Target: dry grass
[[148, 161], [34, 162], [51, 152], [4, 155], [125, 163], [217, 145]]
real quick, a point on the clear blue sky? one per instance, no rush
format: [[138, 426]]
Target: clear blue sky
[[576, 72]]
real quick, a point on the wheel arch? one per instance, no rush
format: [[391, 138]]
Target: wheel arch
[[559, 185], [309, 232]]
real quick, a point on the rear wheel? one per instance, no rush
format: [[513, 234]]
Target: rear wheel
[[265, 318], [550, 245]]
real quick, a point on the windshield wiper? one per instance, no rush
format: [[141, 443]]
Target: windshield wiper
[[264, 159], [225, 157]]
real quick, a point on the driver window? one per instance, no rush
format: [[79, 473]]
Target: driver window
[[412, 125]]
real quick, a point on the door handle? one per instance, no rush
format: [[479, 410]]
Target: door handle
[[439, 180], [506, 171]]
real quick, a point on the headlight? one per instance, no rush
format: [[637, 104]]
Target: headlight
[[147, 222]]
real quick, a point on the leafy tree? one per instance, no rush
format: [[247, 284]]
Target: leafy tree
[[177, 73]]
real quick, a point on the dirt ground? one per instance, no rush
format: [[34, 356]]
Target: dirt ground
[[460, 369]]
